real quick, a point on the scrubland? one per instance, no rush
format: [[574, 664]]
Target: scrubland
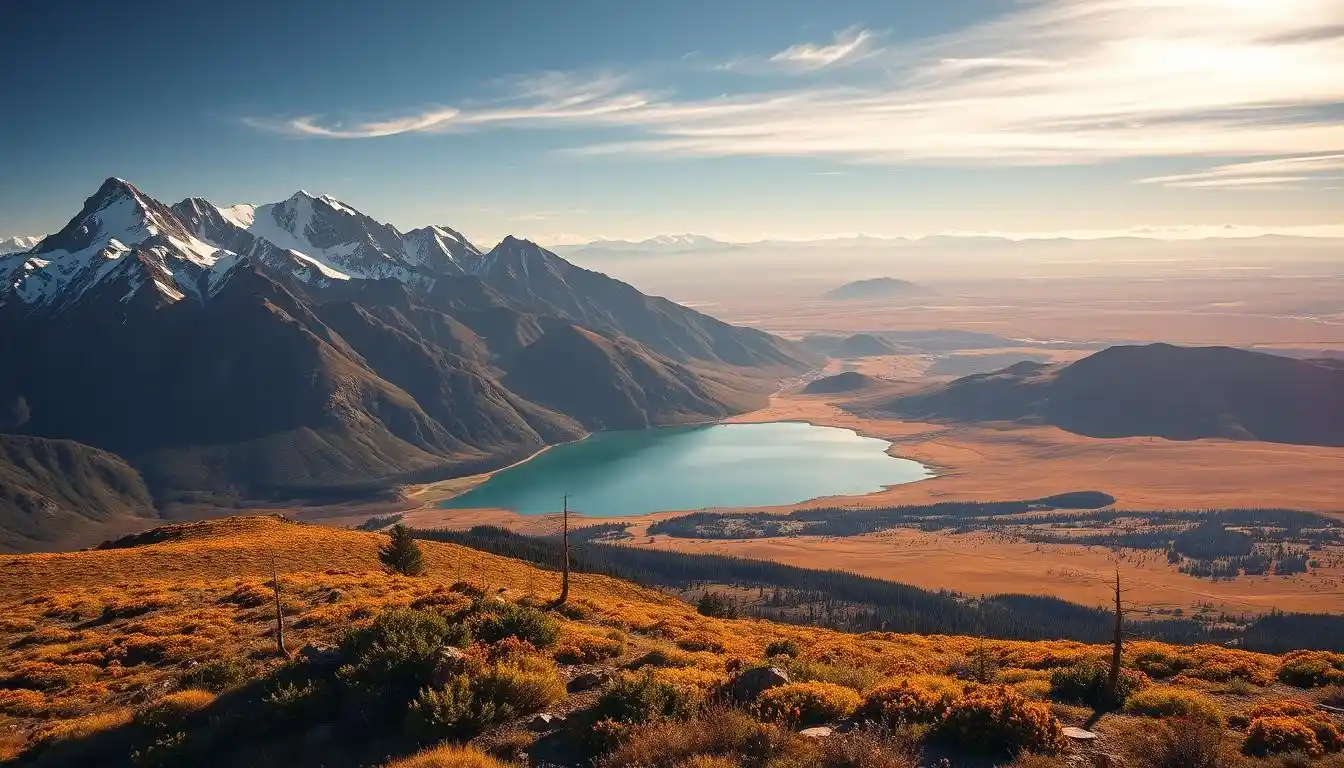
[[164, 652]]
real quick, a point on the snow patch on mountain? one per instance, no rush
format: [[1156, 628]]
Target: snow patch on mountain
[[10, 245]]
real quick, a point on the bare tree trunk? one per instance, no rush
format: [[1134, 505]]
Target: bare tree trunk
[[279, 611], [564, 574], [1117, 646]]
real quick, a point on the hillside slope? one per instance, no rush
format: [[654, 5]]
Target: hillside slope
[[98, 647], [1179, 393], [61, 491]]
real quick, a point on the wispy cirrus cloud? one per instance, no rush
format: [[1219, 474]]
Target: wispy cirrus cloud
[[1050, 82], [849, 45], [1279, 173]]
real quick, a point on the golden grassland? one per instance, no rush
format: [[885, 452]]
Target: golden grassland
[[88, 638]]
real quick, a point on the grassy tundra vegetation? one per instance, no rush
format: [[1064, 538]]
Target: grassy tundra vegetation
[[162, 651]]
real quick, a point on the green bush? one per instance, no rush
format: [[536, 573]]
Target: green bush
[[782, 648], [1086, 684], [215, 676], [453, 711], [389, 661], [500, 620], [641, 698], [470, 702]]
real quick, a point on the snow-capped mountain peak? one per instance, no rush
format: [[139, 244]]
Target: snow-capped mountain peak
[[10, 245], [122, 240], [127, 239]]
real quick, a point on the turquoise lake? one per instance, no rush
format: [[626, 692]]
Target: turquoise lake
[[682, 468]]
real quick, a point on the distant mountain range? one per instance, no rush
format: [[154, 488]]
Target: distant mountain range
[[1160, 390], [692, 243], [293, 348]]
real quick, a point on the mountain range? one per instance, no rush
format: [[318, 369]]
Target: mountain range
[[301, 347], [1159, 390]]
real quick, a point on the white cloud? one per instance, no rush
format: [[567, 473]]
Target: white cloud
[[1279, 173], [850, 44], [1051, 82]]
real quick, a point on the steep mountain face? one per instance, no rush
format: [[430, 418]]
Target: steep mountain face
[[536, 278], [289, 348], [122, 247], [1180, 393], [54, 491], [615, 383]]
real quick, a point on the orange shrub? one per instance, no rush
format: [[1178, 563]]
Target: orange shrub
[[1276, 708], [22, 702], [1312, 669], [995, 718], [587, 649], [447, 756], [908, 701], [807, 703], [1278, 735]]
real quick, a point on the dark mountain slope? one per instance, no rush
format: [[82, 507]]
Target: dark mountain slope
[[547, 284], [1180, 393], [59, 491], [849, 381], [614, 384]]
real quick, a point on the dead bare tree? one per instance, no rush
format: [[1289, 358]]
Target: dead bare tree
[[1117, 645], [279, 611], [564, 573]]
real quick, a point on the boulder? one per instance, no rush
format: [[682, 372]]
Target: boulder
[[544, 722], [817, 732], [450, 663], [589, 680], [749, 685], [1079, 734]]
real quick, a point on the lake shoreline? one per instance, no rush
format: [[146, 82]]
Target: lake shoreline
[[629, 473]]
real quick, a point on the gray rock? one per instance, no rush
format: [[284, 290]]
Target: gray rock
[[817, 732], [1079, 734], [544, 722], [450, 663], [753, 682], [590, 680]]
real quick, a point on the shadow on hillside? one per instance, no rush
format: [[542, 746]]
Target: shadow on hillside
[[262, 724]]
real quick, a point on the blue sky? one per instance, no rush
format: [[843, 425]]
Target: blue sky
[[744, 120]]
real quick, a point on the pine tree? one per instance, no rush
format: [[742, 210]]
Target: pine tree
[[401, 554]]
